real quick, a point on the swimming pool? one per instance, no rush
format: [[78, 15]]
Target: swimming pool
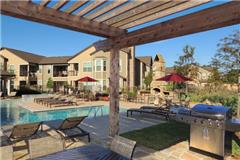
[[12, 113]]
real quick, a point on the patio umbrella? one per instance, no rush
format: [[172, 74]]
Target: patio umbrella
[[86, 79], [175, 78]]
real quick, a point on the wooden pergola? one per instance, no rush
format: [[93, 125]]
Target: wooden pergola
[[112, 19]]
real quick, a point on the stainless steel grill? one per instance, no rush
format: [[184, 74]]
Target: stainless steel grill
[[208, 127]]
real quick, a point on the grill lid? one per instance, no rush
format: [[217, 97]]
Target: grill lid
[[209, 111]]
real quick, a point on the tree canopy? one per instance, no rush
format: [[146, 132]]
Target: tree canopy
[[227, 59], [186, 64]]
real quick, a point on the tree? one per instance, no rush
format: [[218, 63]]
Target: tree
[[227, 58], [50, 83], [186, 64], [148, 79]]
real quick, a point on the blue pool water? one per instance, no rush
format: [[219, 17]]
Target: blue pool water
[[12, 113]]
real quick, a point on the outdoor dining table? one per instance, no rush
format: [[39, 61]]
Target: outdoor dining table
[[88, 152]]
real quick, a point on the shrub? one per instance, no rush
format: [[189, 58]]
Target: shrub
[[221, 95]]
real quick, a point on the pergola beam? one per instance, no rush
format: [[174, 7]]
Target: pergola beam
[[33, 12], [161, 13], [216, 17], [140, 9], [91, 7], [75, 6], [59, 4], [106, 9], [149, 12], [121, 10], [44, 2]]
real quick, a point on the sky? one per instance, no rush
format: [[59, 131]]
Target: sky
[[52, 41]]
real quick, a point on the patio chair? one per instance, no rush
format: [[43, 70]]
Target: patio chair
[[21, 132], [69, 128], [62, 102], [12, 94], [162, 111], [119, 146]]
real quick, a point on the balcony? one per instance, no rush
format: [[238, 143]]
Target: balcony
[[60, 74], [72, 73], [32, 76]]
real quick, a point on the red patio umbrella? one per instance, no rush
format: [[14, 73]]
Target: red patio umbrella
[[175, 78], [86, 79]]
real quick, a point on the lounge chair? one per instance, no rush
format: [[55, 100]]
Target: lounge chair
[[21, 132], [163, 111], [61, 102], [37, 100], [69, 129]]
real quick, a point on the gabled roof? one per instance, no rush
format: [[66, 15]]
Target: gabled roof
[[29, 57], [145, 59], [159, 57], [34, 58], [55, 60]]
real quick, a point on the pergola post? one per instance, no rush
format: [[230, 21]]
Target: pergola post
[[114, 92], [238, 107]]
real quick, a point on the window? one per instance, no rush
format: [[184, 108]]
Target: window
[[49, 69], [104, 65], [23, 70], [11, 68], [87, 67], [98, 65], [76, 66]]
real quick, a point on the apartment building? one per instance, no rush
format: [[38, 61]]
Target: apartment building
[[6, 76], [96, 64], [34, 70], [159, 71], [143, 66]]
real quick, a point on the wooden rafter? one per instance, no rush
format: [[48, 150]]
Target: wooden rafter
[[33, 12], [59, 4], [106, 9], [135, 11], [121, 10], [164, 13], [75, 6], [91, 7], [149, 12], [216, 17], [44, 2]]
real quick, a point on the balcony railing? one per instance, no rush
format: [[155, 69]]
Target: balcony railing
[[72, 73], [60, 74]]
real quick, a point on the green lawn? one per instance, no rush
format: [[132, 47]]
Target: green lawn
[[164, 135], [160, 136]]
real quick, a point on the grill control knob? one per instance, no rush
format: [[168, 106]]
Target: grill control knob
[[210, 122]]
